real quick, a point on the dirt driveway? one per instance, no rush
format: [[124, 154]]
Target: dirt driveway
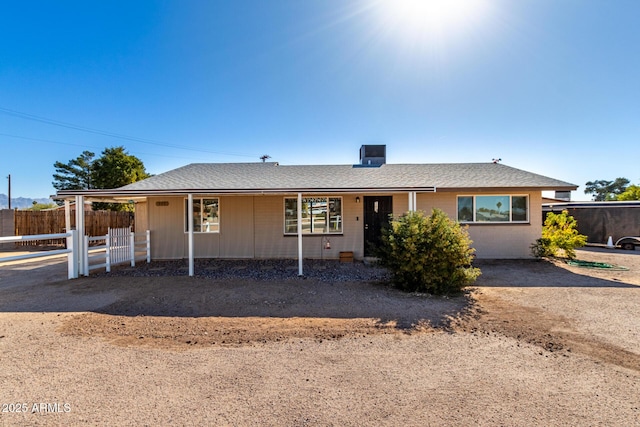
[[534, 343]]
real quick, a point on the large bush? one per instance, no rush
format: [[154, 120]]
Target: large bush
[[428, 253], [559, 235]]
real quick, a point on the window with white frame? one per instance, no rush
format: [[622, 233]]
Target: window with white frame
[[493, 208], [206, 215], [320, 215]]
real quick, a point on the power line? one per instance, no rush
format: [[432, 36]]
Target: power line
[[85, 146], [32, 117], [26, 138]]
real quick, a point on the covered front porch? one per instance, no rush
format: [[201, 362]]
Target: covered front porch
[[250, 225]]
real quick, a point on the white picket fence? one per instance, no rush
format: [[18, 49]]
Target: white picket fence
[[120, 245]]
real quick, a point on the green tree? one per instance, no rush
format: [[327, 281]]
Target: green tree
[[631, 193], [35, 206], [428, 253], [603, 190], [75, 174], [559, 233], [116, 168]]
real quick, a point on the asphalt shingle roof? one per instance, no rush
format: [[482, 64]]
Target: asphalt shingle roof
[[271, 177]]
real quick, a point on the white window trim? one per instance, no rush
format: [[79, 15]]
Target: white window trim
[[527, 221], [294, 233], [186, 219]]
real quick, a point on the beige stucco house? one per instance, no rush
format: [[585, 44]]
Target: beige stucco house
[[268, 210]]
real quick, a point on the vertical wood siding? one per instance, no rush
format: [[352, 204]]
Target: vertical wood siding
[[253, 227]]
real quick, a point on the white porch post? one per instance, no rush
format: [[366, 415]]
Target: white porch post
[[148, 234], [67, 216], [300, 272], [72, 261], [71, 242], [190, 220], [412, 201], [132, 247], [82, 269]]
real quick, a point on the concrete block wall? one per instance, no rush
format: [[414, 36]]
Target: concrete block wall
[[6, 227]]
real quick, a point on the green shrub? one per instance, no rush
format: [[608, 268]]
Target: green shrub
[[429, 254], [559, 233], [542, 248]]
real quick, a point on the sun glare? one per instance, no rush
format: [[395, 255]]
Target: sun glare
[[430, 18]]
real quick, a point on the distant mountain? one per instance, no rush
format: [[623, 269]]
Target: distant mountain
[[20, 202]]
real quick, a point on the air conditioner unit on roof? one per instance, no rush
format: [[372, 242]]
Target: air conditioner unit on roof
[[373, 155]]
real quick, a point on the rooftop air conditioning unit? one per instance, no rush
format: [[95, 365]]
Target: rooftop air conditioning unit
[[373, 155]]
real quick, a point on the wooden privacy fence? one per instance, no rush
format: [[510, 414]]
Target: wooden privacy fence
[[97, 223]]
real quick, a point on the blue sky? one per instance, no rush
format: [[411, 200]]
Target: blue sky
[[548, 86]]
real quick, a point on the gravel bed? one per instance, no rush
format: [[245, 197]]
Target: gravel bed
[[261, 270]]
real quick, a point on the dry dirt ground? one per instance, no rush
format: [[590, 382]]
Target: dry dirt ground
[[532, 343]]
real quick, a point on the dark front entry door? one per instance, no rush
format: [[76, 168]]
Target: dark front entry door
[[376, 216]]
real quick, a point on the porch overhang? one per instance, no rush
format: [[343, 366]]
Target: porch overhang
[[128, 196]]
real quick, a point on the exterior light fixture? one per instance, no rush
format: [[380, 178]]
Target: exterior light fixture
[[326, 243], [357, 199]]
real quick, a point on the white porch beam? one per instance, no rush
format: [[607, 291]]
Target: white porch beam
[[300, 271], [190, 225]]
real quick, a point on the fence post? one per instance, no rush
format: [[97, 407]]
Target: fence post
[[109, 243], [107, 255], [80, 226], [85, 254], [148, 246], [132, 247], [72, 257], [77, 250]]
